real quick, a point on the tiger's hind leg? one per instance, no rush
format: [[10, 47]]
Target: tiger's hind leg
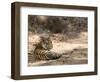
[[52, 55]]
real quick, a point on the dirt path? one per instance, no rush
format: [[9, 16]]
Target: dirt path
[[62, 47]]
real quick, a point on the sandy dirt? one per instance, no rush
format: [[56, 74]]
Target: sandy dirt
[[74, 51]]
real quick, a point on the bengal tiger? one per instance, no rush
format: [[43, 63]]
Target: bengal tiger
[[42, 50]]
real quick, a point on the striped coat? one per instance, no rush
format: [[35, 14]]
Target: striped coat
[[42, 50]]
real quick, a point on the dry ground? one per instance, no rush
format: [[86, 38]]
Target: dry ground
[[74, 51]]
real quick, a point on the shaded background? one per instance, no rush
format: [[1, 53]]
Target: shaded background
[[70, 26]]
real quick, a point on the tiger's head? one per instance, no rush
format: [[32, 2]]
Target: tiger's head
[[45, 42]]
